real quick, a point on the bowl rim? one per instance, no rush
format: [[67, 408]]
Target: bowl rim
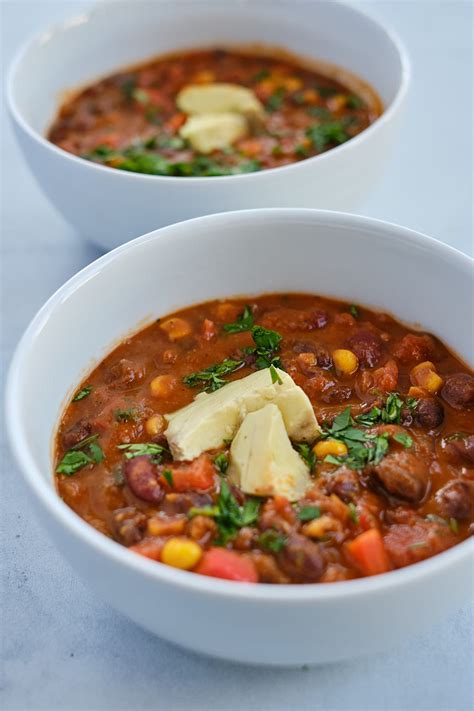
[[49, 34], [45, 492]]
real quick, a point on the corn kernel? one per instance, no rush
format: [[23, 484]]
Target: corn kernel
[[345, 361], [337, 102], [310, 96], [155, 425], [162, 385], [318, 527], [226, 311], [181, 553], [424, 375], [176, 328], [330, 446], [292, 83], [204, 77]]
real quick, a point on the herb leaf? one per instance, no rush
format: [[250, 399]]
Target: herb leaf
[[221, 462], [307, 455], [267, 346], [308, 513], [272, 541], [244, 322], [403, 439], [323, 134], [353, 512], [274, 375], [354, 311], [81, 394], [126, 415], [168, 475], [72, 462], [154, 451], [212, 377]]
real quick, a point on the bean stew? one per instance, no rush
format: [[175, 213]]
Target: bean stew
[[286, 438], [212, 112]]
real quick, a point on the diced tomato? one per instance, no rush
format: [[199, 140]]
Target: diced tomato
[[175, 122], [198, 475], [386, 377], [368, 553], [221, 563]]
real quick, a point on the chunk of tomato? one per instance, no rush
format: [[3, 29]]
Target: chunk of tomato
[[221, 563]]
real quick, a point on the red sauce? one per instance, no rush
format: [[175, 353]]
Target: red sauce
[[410, 397], [130, 120]]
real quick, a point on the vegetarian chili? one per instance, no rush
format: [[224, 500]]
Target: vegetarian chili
[[281, 439], [245, 113]]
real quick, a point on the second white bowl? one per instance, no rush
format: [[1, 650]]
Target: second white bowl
[[110, 206]]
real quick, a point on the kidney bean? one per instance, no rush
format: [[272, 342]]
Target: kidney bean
[[414, 348], [404, 475], [461, 450], [128, 525], [458, 391], [125, 373], [344, 483], [143, 479], [456, 499], [76, 434], [367, 346], [429, 413], [301, 559]]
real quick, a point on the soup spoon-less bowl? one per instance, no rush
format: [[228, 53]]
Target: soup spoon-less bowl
[[353, 258], [109, 206]]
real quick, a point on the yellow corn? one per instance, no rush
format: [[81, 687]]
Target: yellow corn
[[345, 361], [181, 553], [337, 102], [320, 526], [330, 446], [155, 425], [162, 385], [176, 328], [292, 83], [204, 77], [424, 375]]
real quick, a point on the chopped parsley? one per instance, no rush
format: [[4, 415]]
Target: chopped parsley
[[228, 515], [390, 413], [275, 101], [307, 455], [212, 378], [154, 451], [354, 311], [363, 448], [261, 75], [454, 525], [319, 112], [353, 512], [324, 134], [403, 439], [274, 375], [168, 475], [244, 322], [353, 102], [308, 513], [129, 415], [81, 394], [272, 541], [85, 452], [267, 345], [221, 462]]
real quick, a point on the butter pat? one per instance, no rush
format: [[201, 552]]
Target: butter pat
[[262, 460], [213, 418], [218, 98], [210, 132]]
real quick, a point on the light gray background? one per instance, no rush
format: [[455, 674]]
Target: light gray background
[[65, 650]]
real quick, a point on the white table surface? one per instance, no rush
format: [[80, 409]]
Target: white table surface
[[63, 649]]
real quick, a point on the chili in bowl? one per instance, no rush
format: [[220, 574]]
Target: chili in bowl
[[186, 109], [265, 464]]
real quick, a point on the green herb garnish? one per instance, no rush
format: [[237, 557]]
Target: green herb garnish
[[354, 311], [221, 462], [353, 512], [126, 415], [323, 134], [72, 462], [244, 322], [267, 345], [228, 515], [308, 513], [454, 525], [168, 475], [81, 394], [362, 448], [261, 75], [403, 439], [272, 541], [154, 451], [275, 101], [212, 377], [307, 455], [353, 102], [274, 375]]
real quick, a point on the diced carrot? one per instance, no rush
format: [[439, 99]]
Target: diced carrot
[[198, 475], [367, 551], [221, 563]]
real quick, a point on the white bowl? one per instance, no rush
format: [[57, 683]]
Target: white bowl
[[111, 206], [354, 258]]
